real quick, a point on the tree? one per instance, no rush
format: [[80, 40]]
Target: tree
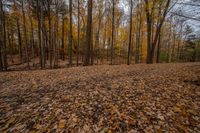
[[130, 32], [88, 34], [3, 53], [19, 39], [78, 40], [70, 33], [113, 31], [151, 43], [25, 35], [50, 33]]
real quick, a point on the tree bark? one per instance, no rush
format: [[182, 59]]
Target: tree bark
[[25, 36], [70, 34], [158, 49], [151, 44], [3, 39], [113, 30], [130, 33], [78, 43], [63, 38], [19, 40], [88, 34], [32, 37], [50, 32]]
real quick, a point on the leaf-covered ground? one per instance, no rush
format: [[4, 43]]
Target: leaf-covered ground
[[137, 98]]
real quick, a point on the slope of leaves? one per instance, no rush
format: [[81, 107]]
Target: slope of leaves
[[139, 98]]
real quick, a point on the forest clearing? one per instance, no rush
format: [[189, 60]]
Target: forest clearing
[[136, 98], [99, 66]]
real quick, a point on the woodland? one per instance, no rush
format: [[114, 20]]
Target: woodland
[[100, 66], [39, 34]]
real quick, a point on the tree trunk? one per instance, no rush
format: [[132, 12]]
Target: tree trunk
[[25, 36], [19, 40], [78, 43], [70, 34], [158, 49], [113, 30], [39, 33], [1, 61], [138, 36], [56, 40], [32, 37], [49, 38], [3, 39], [152, 43], [130, 33], [88, 34], [63, 38], [42, 34], [149, 26]]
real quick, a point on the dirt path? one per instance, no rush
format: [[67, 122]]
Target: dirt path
[[138, 98]]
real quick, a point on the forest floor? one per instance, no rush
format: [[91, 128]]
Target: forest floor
[[136, 98]]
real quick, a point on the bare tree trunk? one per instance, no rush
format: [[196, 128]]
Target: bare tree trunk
[[42, 34], [173, 46], [32, 37], [56, 40], [92, 49], [19, 40], [149, 30], [169, 46], [78, 43], [1, 63], [63, 38], [158, 49], [3, 38], [88, 34], [70, 34], [50, 32], [25, 36], [9, 40], [39, 33], [113, 30], [130, 33], [138, 36], [97, 40]]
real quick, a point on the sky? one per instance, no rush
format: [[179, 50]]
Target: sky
[[191, 11]]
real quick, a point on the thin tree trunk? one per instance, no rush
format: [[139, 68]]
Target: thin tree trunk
[[63, 38], [138, 36], [1, 63], [39, 33], [19, 40], [25, 36], [49, 38], [130, 33], [3, 38], [158, 49], [78, 43], [42, 35], [56, 40], [32, 37], [97, 40], [70, 34], [1, 46], [113, 30], [88, 34], [9, 40], [92, 49]]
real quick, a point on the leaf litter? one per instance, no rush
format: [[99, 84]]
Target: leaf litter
[[105, 99]]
